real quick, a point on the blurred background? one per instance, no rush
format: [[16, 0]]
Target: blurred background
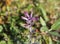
[[12, 30]]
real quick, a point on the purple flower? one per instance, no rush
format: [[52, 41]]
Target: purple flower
[[29, 20]]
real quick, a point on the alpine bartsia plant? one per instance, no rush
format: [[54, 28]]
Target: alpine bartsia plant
[[29, 20]]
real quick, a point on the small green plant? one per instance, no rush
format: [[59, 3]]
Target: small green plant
[[30, 22]]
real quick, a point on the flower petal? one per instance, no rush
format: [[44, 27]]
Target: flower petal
[[33, 18], [24, 18], [28, 22], [26, 14]]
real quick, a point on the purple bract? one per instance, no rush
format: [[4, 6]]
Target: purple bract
[[29, 19]]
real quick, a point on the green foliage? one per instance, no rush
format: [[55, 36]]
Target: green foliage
[[1, 28], [55, 34], [13, 28], [56, 25], [42, 22], [44, 13], [2, 42]]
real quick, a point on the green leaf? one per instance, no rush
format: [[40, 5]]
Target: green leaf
[[44, 29], [42, 22], [58, 42], [1, 28], [8, 8], [16, 29], [9, 41], [40, 41], [56, 25], [2, 42], [29, 7], [46, 38], [44, 13], [50, 40], [54, 34]]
